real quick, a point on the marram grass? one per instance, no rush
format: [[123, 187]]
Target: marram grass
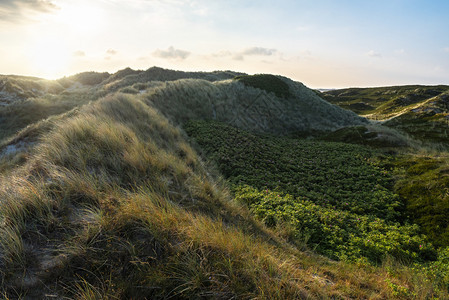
[[113, 202]]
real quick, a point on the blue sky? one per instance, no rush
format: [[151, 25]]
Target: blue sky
[[328, 44]]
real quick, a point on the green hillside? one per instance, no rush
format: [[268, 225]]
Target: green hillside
[[164, 184], [382, 102], [420, 111]]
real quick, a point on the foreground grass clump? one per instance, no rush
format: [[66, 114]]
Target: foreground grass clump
[[266, 82], [113, 203]]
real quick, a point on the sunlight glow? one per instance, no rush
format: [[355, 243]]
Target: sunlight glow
[[81, 18], [49, 58]]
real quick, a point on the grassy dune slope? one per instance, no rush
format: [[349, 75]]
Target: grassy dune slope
[[114, 203], [103, 197], [248, 107]]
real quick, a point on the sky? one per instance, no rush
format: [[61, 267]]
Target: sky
[[322, 43]]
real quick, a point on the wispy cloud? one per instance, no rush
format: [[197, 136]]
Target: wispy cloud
[[111, 52], [373, 53], [223, 54], [253, 51], [446, 49], [171, 53], [259, 51], [17, 11], [400, 51], [79, 53]]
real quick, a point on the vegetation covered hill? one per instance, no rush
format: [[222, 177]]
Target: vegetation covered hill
[[420, 111], [250, 107], [382, 102], [103, 193]]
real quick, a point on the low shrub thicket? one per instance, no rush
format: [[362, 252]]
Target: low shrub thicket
[[332, 175]]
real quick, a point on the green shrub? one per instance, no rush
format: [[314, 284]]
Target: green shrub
[[335, 233], [333, 175], [266, 82]]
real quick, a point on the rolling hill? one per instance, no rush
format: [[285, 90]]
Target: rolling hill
[[420, 111], [164, 184]]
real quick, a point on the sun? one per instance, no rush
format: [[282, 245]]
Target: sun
[[49, 57], [55, 38]]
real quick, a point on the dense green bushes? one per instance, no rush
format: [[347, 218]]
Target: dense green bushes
[[266, 82], [333, 175], [335, 233], [329, 183]]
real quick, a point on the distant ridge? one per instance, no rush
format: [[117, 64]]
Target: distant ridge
[[418, 110]]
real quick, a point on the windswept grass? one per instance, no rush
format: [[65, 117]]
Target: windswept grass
[[114, 203]]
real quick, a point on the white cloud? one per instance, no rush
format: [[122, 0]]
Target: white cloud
[[111, 52], [171, 53], [79, 53], [446, 49], [259, 51], [240, 55], [373, 53], [400, 51]]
